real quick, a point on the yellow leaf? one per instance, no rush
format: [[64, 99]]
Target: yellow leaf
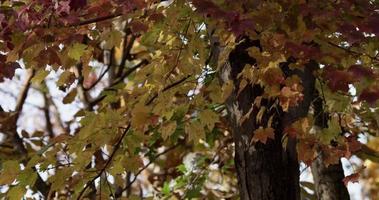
[[140, 115], [9, 173], [208, 118], [16, 193], [195, 131]]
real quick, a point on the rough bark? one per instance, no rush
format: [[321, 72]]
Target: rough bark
[[265, 171], [327, 179]]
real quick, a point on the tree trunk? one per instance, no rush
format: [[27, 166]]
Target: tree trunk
[[265, 171], [328, 180]]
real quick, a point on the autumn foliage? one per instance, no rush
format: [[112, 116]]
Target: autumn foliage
[[147, 80]]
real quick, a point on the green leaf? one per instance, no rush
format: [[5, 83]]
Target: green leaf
[[166, 189], [76, 51], [40, 76], [27, 177], [16, 193], [112, 38]]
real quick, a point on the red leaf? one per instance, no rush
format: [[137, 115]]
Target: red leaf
[[358, 71], [7, 69], [77, 4], [337, 79], [370, 95], [353, 144], [138, 27], [354, 178]]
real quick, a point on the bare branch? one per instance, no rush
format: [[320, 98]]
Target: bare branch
[[16, 139]]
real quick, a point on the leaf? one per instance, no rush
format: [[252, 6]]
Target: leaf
[[353, 178], [7, 69], [77, 4], [140, 115], [76, 51], [338, 79], [330, 133], [66, 77], [195, 131], [306, 148], [370, 95], [166, 188], [113, 38], [16, 192], [40, 76], [27, 177], [70, 97], [208, 118], [168, 129], [10, 172], [262, 135], [133, 163]]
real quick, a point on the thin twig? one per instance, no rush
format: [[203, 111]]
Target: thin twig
[[17, 140], [98, 79], [181, 49], [119, 80], [168, 87], [146, 166], [117, 146], [95, 20]]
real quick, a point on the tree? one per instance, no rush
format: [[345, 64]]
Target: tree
[[188, 98]]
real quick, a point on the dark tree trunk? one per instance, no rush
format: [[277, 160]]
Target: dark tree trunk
[[328, 180], [265, 171]]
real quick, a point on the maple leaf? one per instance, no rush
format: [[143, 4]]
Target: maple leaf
[[76, 51], [7, 70], [338, 79], [138, 27], [262, 134], [306, 148], [359, 71], [168, 129], [77, 4], [370, 95], [353, 144]]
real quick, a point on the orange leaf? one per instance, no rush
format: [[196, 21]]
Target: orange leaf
[[262, 134]]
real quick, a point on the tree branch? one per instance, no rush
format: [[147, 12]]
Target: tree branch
[[117, 146], [118, 193], [40, 185], [119, 80], [95, 20], [98, 79]]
